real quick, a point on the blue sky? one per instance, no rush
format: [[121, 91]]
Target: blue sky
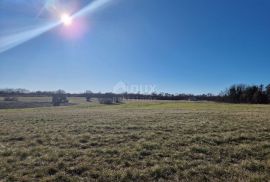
[[179, 46]]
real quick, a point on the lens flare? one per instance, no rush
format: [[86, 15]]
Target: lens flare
[[66, 19], [11, 40]]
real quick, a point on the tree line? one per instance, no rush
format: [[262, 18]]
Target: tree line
[[253, 94], [240, 93]]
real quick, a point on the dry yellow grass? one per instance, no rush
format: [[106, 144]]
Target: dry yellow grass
[[136, 141]]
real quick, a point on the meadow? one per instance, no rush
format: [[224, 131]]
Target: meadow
[[136, 141]]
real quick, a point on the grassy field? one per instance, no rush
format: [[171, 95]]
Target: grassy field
[[136, 141]]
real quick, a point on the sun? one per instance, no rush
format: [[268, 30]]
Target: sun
[[66, 19]]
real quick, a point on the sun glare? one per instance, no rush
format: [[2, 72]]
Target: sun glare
[[66, 19]]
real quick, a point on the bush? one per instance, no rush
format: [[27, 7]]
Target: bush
[[88, 96], [59, 98], [10, 99]]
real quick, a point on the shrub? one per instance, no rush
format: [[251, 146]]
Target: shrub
[[59, 98], [88, 96]]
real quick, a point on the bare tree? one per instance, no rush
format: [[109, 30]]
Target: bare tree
[[59, 98], [88, 95]]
